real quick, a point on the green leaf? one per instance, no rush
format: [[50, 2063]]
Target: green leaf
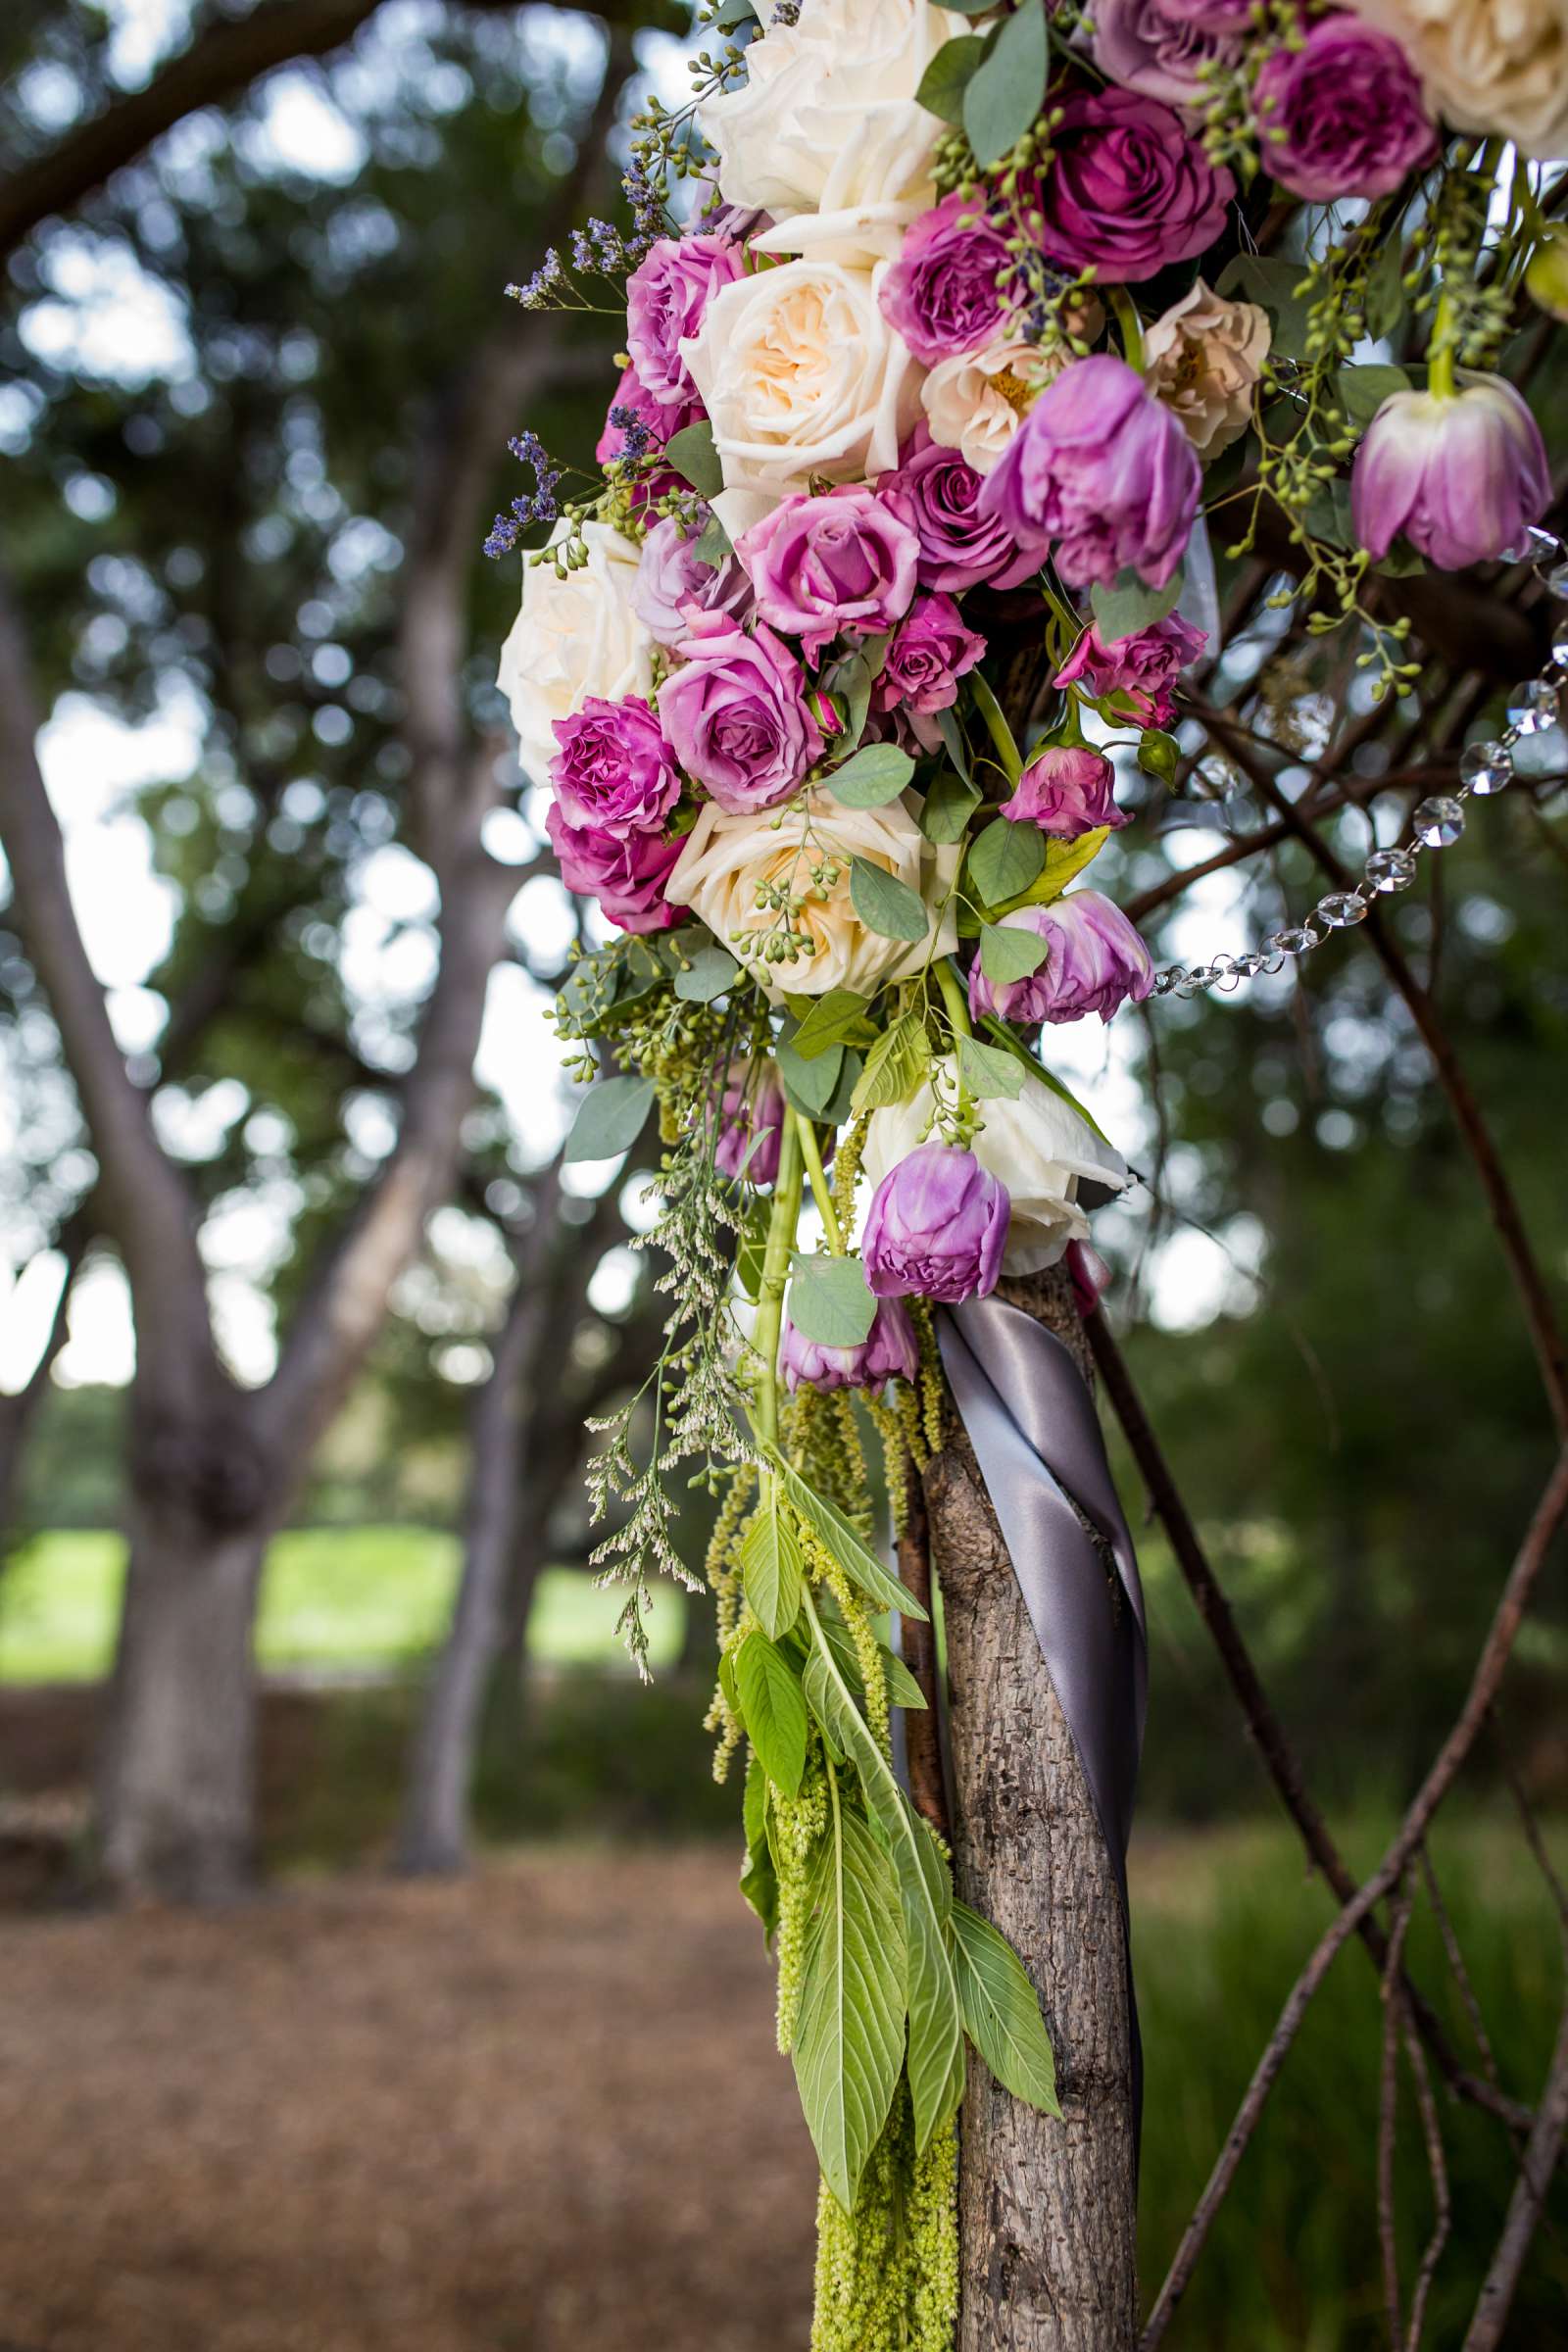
[[1158, 753], [1064, 862], [1011, 954], [884, 904], [753, 1249], [858, 1561], [837, 1107], [947, 807], [713, 543], [826, 1020], [691, 453], [1385, 287], [609, 1119], [712, 970], [948, 74], [870, 778], [901, 1688], [808, 1080], [1001, 2014], [1008, 90], [1328, 515], [1130, 604], [1363, 390], [1272, 284], [774, 1709], [829, 1302], [988, 1072], [758, 1875], [771, 1564], [849, 2034], [896, 1065], [925, 1898], [1005, 860], [951, 730]]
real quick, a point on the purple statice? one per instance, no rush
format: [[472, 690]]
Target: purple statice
[[538, 506]]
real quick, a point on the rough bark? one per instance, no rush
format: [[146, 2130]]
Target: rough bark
[[1047, 2208]]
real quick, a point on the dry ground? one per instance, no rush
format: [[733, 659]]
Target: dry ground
[[536, 2110]]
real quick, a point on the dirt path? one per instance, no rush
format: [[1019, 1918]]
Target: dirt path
[[536, 2111]]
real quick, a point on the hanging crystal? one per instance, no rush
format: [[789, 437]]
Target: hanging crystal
[[1296, 941], [1533, 707], [1556, 578], [1341, 908], [1391, 870], [1440, 821], [1486, 767]]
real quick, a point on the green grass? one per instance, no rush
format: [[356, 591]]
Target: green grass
[[362, 1597]]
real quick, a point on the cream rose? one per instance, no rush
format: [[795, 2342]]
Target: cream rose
[[825, 134], [573, 638], [1204, 357], [975, 401], [728, 859], [1488, 65], [1038, 1146], [801, 376]]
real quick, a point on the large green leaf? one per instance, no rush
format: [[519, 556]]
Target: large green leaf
[[947, 76], [829, 1302], [609, 1119], [858, 1561], [947, 807], [826, 1020], [1128, 603], [849, 2033], [710, 972], [771, 1564], [693, 457], [1001, 2014], [871, 777], [808, 1080], [895, 1066], [1005, 860], [901, 1688], [1007, 89], [988, 1072], [1011, 954], [925, 1898], [884, 904], [774, 1710]]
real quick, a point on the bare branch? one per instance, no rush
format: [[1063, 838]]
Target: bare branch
[[1525, 2205]]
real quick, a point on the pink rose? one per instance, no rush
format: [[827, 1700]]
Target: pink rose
[[625, 873], [736, 713], [820, 565], [1066, 790], [613, 769], [1143, 667]]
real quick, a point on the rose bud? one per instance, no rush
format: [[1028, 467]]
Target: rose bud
[[888, 1351], [1461, 473], [1094, 962], [936, 1228], [750, 1103], [1066, 790]]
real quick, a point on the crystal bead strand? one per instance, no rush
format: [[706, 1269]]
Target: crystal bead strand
[[1435, 824]]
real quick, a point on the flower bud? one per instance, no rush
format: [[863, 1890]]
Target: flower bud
[[1461, 474], [937, 1227], [1066, 790]]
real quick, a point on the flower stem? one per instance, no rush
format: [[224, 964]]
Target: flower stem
[[1128, 325], [781, 1226], [818, 1176], [952, 988], [996, 727], [1441, 351]]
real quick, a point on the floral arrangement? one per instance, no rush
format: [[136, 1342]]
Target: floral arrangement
[[948, 331]]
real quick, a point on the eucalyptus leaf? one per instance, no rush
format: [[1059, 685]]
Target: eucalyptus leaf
[[848, 2031], [691, 454], [948, 74], [1130, 604], [713, 543], [1064, 862], [1328, 515], [710, 972], [1010, 954], [1363, 390], [609, 1119], [947, 807], [1001, 2012], [988, 1072], [853, 1554], [896, 1065], [808, 1080], [872, 776], [1005, 860], [836, 1109], [884, 904], [951, 729], [772, 1564], [774, 1710], [827, 1020], [829, 1302], [1005, 93]]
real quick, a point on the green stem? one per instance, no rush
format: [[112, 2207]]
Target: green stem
[[952, 988], [1128, 325], [818, 1177], [1441, 351], [776, 1275], [996, 727]]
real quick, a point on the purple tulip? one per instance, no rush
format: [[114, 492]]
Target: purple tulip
[[736, 713], [940, 293], [1158, 47], [1094, 962], [888, 1351], [820, 565], [625, 873], [929, 653], [613, 769], [937, 1227], [1103, 468], [666, 295], [1143, 667], [937, 493], [1128, 189], [1066, 790], [1461, 474], [672, 580], [750, 1103], [1342, 115]]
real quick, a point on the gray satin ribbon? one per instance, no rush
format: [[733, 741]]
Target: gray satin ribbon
[[1037, 1438]]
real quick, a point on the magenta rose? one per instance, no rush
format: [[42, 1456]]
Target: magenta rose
[[1127, 190], [1143, 667], [1066, 790], [666, 295], [820, 565], [1104, 470], [929, 653], [940, 293], [625, 873], [1094, 962], [654, 424], [613, 767], [1159, 47], [937, 493], [1341, 116], [673, 579], [736, 713]]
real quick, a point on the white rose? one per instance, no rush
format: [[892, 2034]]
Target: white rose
[[573, 638], [1488, 65], [975, 401], [1038, 1146], [825, 134], [1204, 357], [728, 859], [801, 376]]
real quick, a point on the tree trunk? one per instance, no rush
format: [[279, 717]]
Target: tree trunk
[[1046, 2209]]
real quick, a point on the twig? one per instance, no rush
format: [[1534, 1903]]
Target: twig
[[1461, 1975], [1443, 2204], [1497, 2295], [1389, 2113]]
